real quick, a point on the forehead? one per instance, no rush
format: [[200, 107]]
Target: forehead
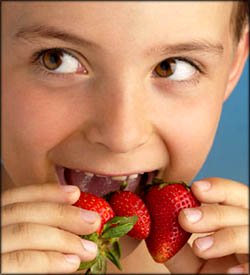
[[125, 21]]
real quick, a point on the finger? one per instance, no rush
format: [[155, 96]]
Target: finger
[[212, 217], [39, 262], [224, 191], [239, 269], [42, 237], [70, 218], [223, 242], [52, 192], [186, 260]]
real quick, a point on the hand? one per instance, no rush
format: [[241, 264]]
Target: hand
[[224, 219], [40, 230]]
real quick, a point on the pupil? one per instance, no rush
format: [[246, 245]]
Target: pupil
[[52, 59], [165, 65], [166, 68]]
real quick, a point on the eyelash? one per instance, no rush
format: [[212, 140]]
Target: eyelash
[[35, 60], [193, 81], [190, 61]]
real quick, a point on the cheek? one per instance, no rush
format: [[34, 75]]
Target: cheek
[[30, 121], [189, 135], [34, 121]]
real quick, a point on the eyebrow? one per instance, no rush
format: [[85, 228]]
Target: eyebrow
[[49, 32], [198, 46]]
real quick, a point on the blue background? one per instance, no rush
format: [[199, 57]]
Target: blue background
[[229, 155]]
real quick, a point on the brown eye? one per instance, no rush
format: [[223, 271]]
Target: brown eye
[[166, 68], [52, 59], [61, 61]]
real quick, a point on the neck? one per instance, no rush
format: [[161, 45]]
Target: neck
[[137, 259]]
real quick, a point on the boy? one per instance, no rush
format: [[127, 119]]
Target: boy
[[110, 91]]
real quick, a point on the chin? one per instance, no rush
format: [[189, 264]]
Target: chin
[[128, 245]]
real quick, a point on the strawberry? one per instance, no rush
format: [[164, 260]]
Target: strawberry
[[107, 235], [164, 202], [90, 201], [126, 203]]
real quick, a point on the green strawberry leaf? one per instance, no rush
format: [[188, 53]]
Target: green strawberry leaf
[[117, 231], [118, 221], [86, 265], [91, 237], [113, 258], [118, 226], [116, 249], [100, 266], [112, 222], [156, 181], [123, 185], [87, 272]]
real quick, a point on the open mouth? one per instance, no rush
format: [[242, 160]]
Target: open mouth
[[101, 185]]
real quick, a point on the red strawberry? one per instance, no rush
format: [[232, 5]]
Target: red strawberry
[[126, 203], [108, 234], [90, 201], [164, 202]]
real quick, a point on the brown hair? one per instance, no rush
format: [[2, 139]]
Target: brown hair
[[240, 16]]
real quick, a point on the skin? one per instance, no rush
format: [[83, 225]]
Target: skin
[[119, 118]]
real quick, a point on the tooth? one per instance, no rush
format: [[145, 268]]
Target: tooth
[[89, 174], [134, 176], [77, 170], [101, 176], [119, 178]]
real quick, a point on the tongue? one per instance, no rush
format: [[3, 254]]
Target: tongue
[[99, 186]]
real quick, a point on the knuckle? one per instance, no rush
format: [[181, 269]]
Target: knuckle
[[22, 229], [13, 209], [25, 261], [232, 235], [19, 258], [7, 196], [65, 238], [9, 209], [217, 213], [61, 210], [52, 259], [45, 260]]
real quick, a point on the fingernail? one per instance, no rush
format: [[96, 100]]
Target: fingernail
[[236, 270], [204, 243], [193, 215], [69, 188], [89, 216], [89, 246], [203, 185], [72, 259]]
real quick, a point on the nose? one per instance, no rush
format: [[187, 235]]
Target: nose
[[120, 121]]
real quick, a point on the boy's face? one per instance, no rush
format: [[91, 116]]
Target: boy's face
[[139, 87]]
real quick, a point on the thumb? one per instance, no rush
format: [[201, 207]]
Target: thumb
[[185, 261]]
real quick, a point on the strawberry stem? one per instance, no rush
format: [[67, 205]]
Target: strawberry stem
[[123, 185], [108, 244], [163, 183]]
